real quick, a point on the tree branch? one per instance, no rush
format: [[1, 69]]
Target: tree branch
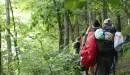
[[15, 38], [59, 25], [49, 65]]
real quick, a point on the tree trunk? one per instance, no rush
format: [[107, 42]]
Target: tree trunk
[[66, 30], [100, 18], [93, 15], [77, 28], [8, 39], [0, 55], [104, 14], [72, 27], [118, 23], [15, 40], [128, 21], [60, 27], [104, 10], [90, 22], [90, 18], [86, 17]]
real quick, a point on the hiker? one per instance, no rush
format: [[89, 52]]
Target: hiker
[[82, 40], [127, 39], [89, 51], [84, 37], [76, 46], [106, 52]]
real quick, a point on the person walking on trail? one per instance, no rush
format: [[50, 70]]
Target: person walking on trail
[[106, 52], [82, 39], [89, 51], [127, 39], [76, 46]]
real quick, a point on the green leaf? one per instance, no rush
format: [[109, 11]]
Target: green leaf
[[115, 2], [71, 4]]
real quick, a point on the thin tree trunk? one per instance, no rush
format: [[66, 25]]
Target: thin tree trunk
[[93, 15], [90, 18], [90, 22], [104, 14], [0, 55], [104, 10], [72, 32], [8, 39], [71, 28], [100, 18], [77, 27], [128, 21], [118, 23], [86, 17], [15, 40], [60, 27], [66, 30]]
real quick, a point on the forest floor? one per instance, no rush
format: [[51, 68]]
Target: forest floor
[[123, 66]]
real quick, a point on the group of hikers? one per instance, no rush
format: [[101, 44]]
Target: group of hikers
[[98, 48]]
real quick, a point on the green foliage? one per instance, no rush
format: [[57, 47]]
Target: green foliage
[[126, 30], [114, 2], [2, 21], [47, 63], [126, 50], [123, 64], [43, 15], [79, 4], [75, 4]]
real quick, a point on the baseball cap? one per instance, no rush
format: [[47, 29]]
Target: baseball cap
[[106, 20]]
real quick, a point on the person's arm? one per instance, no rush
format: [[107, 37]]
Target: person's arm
[[89, 29], [85, 36]]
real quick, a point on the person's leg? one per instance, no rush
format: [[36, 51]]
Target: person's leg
[[109, 62], [101, 66], [116, 56], [91, 70], [86, 71], [95, 69]]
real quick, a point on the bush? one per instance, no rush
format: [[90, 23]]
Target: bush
[[48, 63], [123, 64]]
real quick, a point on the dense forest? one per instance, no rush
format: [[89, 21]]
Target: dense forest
[[36, 36]]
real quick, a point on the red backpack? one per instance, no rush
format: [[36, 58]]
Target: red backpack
[[89, 51]]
